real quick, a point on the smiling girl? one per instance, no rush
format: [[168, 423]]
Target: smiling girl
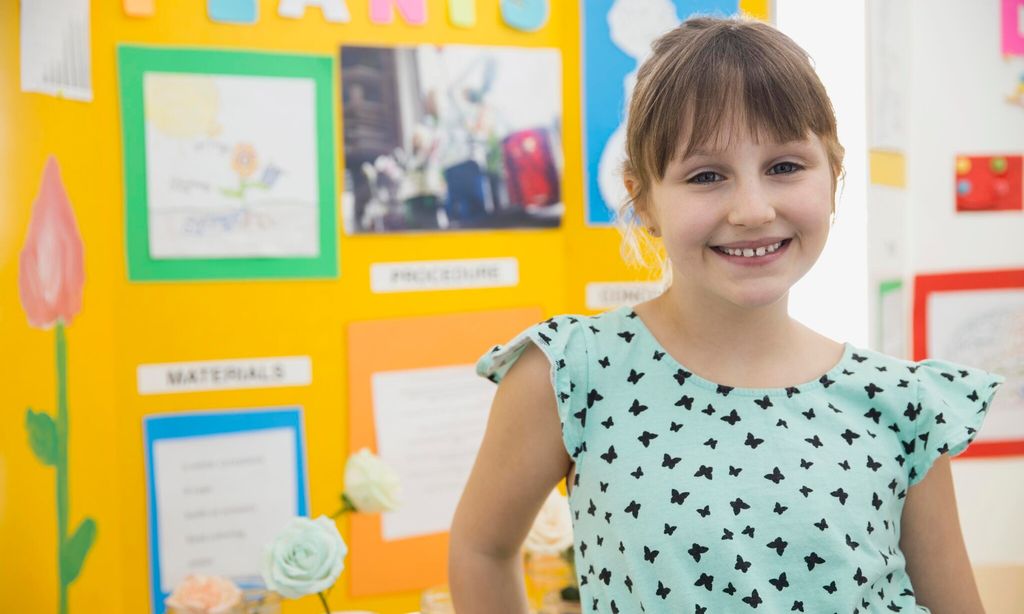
[[721, 456]]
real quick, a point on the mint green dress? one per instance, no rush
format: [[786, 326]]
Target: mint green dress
[[690, 496]]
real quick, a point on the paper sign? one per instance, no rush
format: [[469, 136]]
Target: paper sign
[[608, 295], [225, 375], [220, 487], [444, 275], [55, 48], [430, 423]]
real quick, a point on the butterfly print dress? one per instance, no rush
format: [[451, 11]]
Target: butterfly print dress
[[690, 496]]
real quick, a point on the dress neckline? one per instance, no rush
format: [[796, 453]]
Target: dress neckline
[[822, 381]]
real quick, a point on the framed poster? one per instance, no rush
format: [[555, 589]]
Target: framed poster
[[229, 164]]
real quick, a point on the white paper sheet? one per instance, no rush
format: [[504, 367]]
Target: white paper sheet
[[231, 166], [985, 328], [55, 48], [220, 500], [430, 423]]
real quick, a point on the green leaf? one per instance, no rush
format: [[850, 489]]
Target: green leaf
[[75, 549], [42, 436]]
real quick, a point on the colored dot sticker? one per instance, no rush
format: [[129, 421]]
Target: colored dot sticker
[[963, 187], [963, 165], [998, 165]]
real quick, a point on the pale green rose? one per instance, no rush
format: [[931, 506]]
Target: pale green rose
[[371, 485], [305, 558]]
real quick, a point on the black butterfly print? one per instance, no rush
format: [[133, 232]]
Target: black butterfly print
[[610, 455], [608, 423], [806, 490], [670, 462], [775, 476], [711, 443], [871, 529], [729, 590], [782, 423], [912, 412], [710, 409], [859, 577], [681, 376], [593, 397], [604, 485], [809, 414], [779, 508], [840, 494], [634, 377], [604, 362], [685, 401], [822, 524], [638, 473], [646, 438], [608, 517], [791, 391], [582, 415], [876, 501], [583, 547], [563, 397], [873, 464], [847, 372], [732, 418], [629, 583], [764, 403], [605, 576], [830, 587], [734, 471], [699, 609], [592, 510], [704, 580], [779, 583], [674, 427], [798, 606], [726, 534], [805, 464], [742, 565], [627, 336], [704, 511], [658, 355], [849, 542], [696, 551], [738, 505], [622, 548], [679, 497], [845, 465], [779, 545], [874, 414], [752, 441], [749, 530], [544, 338], [637, 408], [650, 555], [663, 590], [633, 508], [669, 530], [940, 419], [872, 390], [704, 471], [849, 436], [724, 390], [813, 559], [858, 357], [825, 381], [753, 600], [814, 441]]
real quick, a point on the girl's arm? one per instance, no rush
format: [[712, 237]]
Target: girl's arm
[[521, 460], [934, 547]]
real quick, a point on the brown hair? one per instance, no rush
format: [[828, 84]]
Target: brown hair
[[709, 71]]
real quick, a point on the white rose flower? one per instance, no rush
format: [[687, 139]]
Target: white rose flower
[[551, 532], [371, 485], [305, 558]]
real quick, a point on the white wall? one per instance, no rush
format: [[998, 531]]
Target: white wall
[[833, 298]]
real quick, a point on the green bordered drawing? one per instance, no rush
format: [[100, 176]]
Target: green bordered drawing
[[229, 162], [888, 322]]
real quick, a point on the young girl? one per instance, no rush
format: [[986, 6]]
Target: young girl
[[719, 455]]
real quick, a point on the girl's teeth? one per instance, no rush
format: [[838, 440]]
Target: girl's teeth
[[750, 253]]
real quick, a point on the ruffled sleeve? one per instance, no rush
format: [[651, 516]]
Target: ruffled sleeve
[[562, 340], [952, 401]]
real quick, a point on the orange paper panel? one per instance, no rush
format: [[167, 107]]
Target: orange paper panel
[[375, 566]]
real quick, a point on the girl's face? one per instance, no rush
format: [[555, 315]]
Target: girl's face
[[744, 194]]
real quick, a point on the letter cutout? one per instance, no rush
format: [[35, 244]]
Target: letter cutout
[[413, 11], [525, 15], [334, 10]]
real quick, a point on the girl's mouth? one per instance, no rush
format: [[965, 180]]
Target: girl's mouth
[[754, 257]]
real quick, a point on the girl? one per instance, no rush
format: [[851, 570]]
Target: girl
[[719, 455]]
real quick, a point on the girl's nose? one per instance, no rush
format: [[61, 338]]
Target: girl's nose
[[750, 206]]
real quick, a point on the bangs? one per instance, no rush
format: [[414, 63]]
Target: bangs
[[756, 80]]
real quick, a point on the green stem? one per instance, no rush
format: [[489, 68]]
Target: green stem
[[347, 506], [323, 600], [62, 463]]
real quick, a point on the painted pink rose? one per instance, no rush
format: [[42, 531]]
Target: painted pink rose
[[198, 594], [51, 272]]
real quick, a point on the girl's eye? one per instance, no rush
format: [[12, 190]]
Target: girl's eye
[[784, 168], [704, 177]]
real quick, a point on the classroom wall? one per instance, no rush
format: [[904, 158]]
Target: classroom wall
[[939, 91]]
